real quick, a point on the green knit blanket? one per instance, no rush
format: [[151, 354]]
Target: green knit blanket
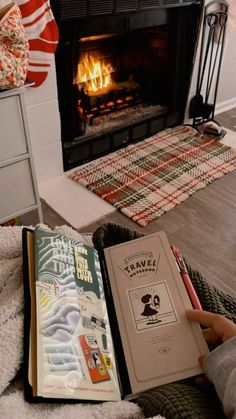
[[185, 399]]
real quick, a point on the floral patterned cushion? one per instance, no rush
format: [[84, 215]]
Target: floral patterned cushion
[[14, 47]]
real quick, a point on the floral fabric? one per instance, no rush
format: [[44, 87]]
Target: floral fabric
[[14, 48]]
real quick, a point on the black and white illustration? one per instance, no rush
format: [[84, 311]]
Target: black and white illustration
[[152, 306]]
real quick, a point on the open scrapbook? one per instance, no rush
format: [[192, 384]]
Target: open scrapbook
[[97, 334]]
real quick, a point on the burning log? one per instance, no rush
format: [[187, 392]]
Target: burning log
[[98, 94], [128, 86], [116, 94]]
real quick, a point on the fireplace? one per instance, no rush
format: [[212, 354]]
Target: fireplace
[[123, 71]]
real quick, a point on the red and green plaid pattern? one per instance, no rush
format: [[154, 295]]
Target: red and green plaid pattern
[[146, 179]]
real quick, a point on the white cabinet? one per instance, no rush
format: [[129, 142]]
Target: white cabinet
[[18, 186]]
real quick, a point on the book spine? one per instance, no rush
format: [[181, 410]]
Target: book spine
[[119, 353]]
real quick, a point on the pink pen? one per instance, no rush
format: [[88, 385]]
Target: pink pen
[[185, 276]]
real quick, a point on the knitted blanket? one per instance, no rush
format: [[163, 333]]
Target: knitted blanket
[[182, 400], [12, 404], [147, 179]]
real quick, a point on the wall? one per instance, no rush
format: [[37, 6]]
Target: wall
[[227, 87], [226, 97], [44, 127]]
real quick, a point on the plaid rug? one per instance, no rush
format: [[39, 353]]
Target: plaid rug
[[146, 179]]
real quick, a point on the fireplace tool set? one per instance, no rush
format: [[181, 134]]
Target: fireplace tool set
[[202, 106]]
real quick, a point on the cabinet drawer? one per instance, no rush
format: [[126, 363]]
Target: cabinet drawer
[[12, 135], [16, 188]]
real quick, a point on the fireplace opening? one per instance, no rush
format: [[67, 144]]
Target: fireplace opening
[[122, 77], [116, 72]]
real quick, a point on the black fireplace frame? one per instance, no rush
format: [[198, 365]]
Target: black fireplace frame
[[77, 19]]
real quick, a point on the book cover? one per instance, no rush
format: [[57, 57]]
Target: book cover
[[160, 345], [70, 353]]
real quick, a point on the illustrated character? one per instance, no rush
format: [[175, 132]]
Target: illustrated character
[[150, 308]]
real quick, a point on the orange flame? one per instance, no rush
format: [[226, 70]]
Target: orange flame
[[93, 73]]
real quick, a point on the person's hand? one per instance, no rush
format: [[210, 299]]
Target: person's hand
[[219, 329]]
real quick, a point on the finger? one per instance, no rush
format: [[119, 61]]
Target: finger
[[223, 327], [200, 316], [211, 337], [202, 360], [201, 380]]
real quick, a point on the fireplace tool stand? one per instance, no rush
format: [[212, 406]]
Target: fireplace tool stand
[[202, 106]]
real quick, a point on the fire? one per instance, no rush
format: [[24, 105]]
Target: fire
[[94, 74]]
